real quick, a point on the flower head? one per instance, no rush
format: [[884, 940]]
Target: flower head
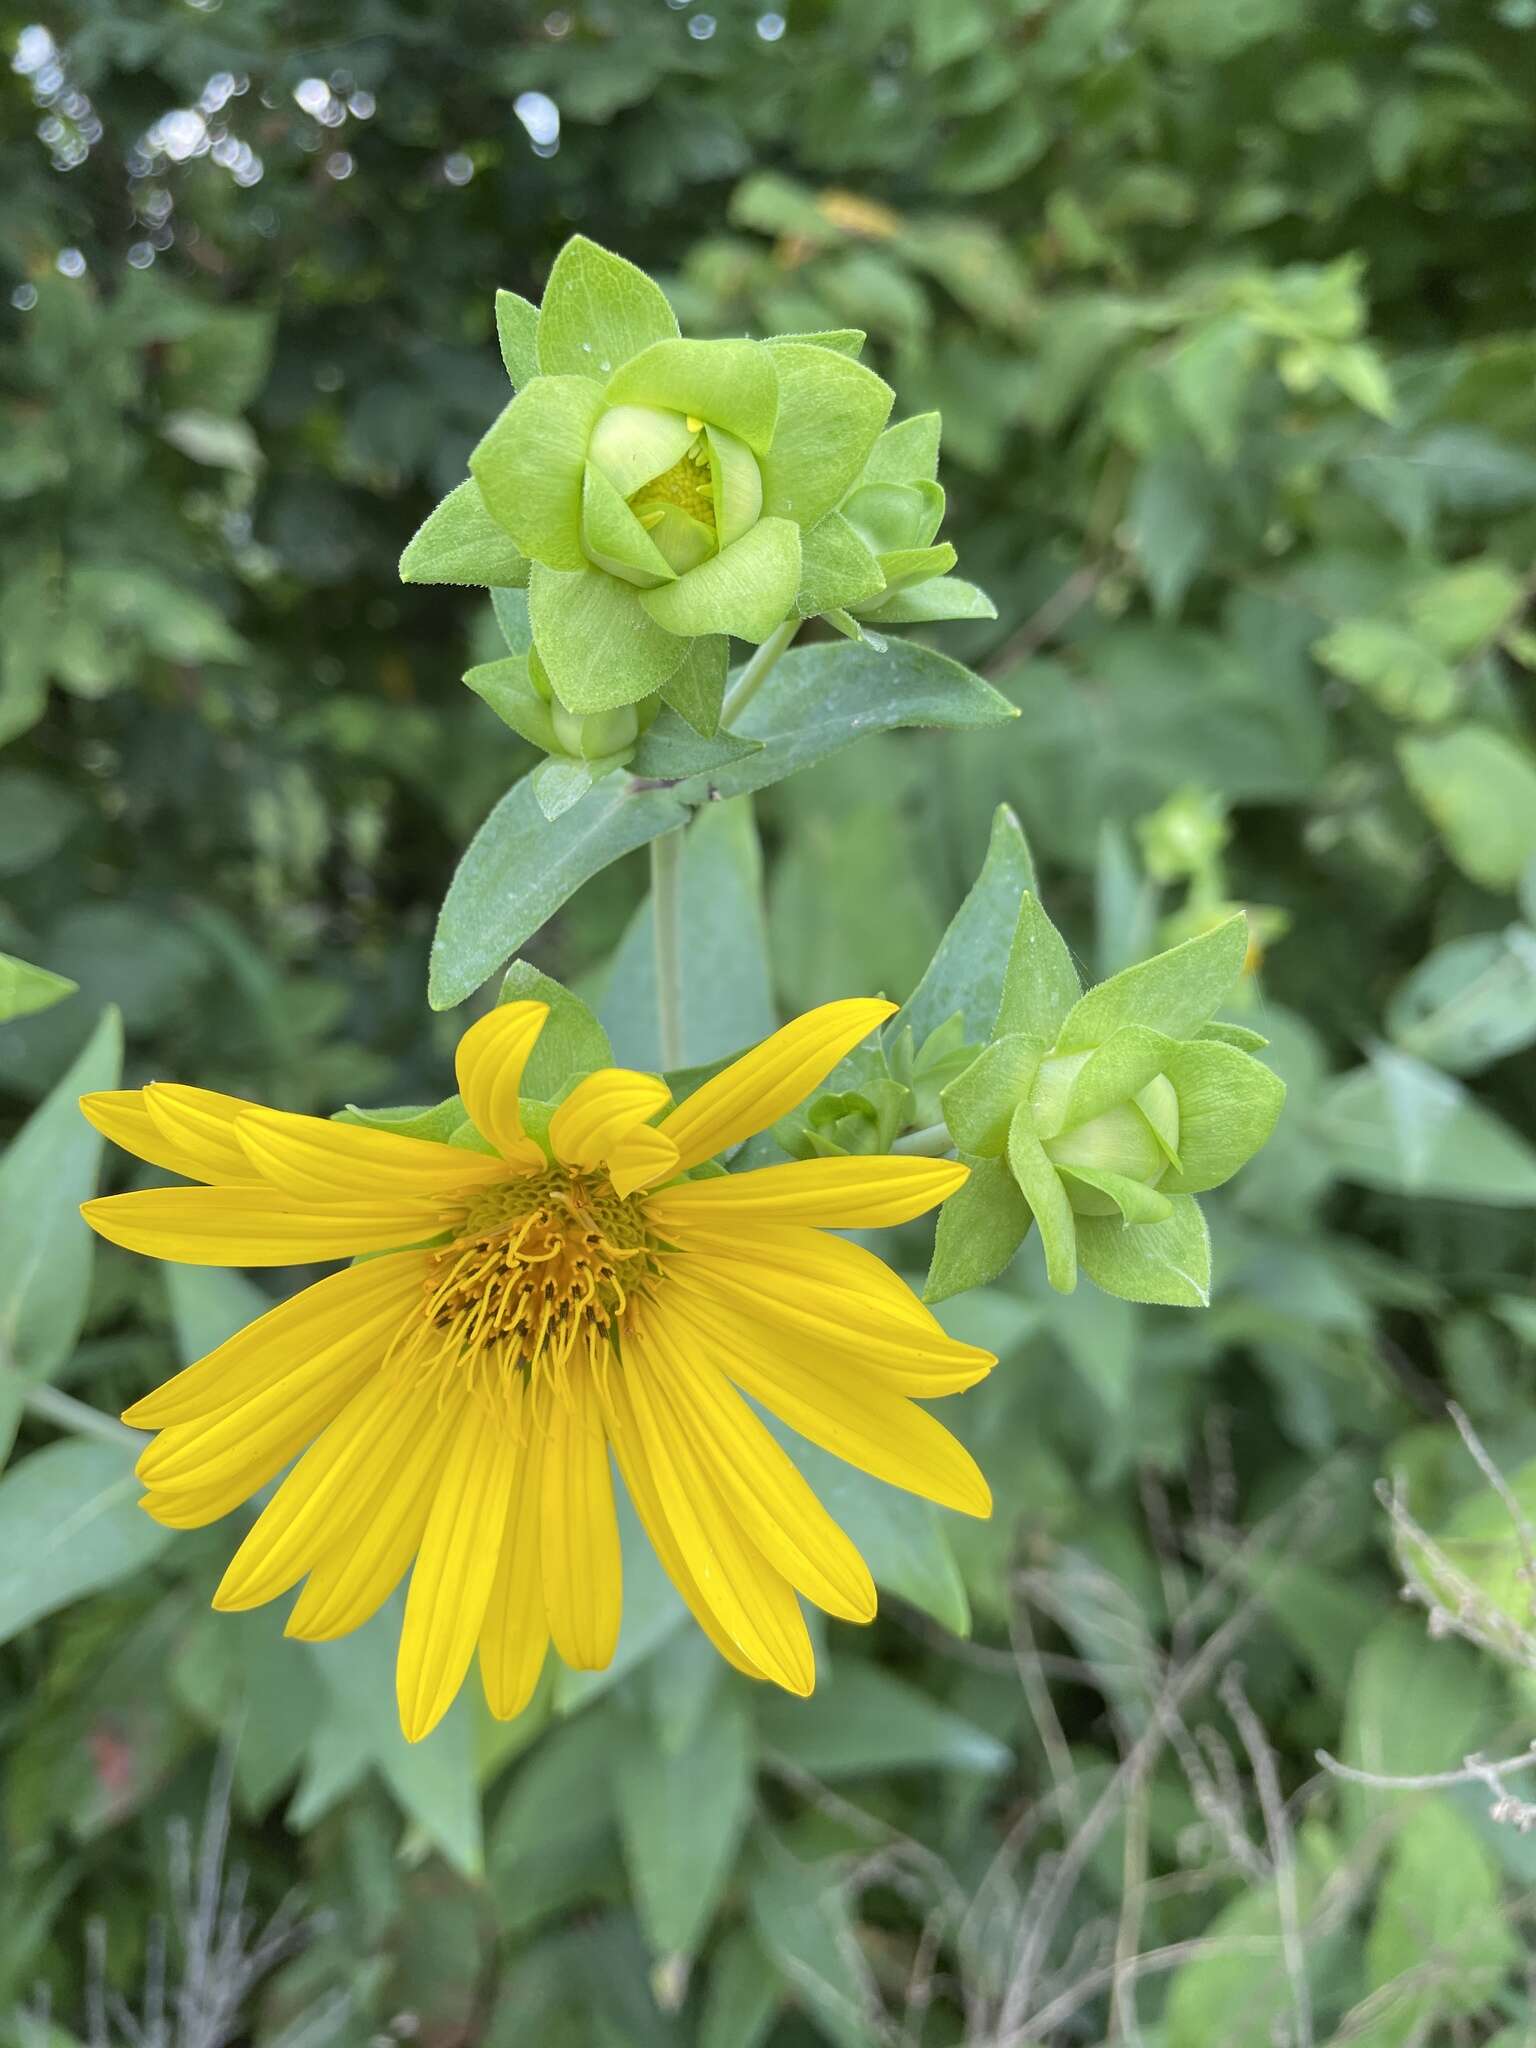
[[1100, 1116], [549, 1287], [657, 495]]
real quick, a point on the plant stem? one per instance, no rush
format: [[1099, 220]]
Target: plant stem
[[932, 1142], [667, 930], [753, 676], [79, 1416]]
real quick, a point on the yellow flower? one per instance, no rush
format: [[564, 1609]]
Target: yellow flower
[[533, 1305]]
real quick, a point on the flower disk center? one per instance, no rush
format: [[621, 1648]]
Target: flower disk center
[[687, 485], [538, 1268]]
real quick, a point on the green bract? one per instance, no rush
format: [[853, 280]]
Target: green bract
[[655, 495], [1107, 1113], [895, 511]]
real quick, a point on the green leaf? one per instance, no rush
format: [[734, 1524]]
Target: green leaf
[[1237, 1989], [1040, 1185], [730, 384], [511, 609], [836, 568], [1040, 983], [435, 1781], [25, 989], [1392, 665], [965, 976], [461, 543], [681, 1822], [1400, 1125], [208, 1305], [1463, 608], [597, 312], [1172, 516], [557, 784], [747, 589], [1414, 1706], [46, 1248], [519, 869], [696, 690], [906, 452], [980, 1105], [802, 1916], [1167, 1262], [862, 1720], [831, 410], [727, 994], [517, 325], [1228, 1105], [820, 698], [1469, 1002], [1175, 992], [597, 641], [979, 1230], [530, 464], [1442, 1901], [902, 1539], [671, 751], [572, 1041], [69, 1526], [741, 1996], [1479, 789]]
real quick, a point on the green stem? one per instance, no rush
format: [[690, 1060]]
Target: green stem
[[667, 931], [78, 1416], [755, 674], [932, 1142]]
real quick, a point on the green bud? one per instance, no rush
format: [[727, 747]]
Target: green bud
[[658, 491], [597, 734], [1113, 1109]]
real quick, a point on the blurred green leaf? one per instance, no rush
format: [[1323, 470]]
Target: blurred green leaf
[[681, 1820], [69, 1525]]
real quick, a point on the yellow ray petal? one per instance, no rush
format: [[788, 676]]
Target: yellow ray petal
[[761, 1485], [454, 1570], [640, 1160], [251, 1441], [302, 1519], [363, 1305], [601, 1110], [753, 1604], [190, 1510], [578, 1530], [255, 1226], [319, 1161], [489, 1062], [833, 1194], [122, 1114], [865, 1425], [624, 1434], [371, 1543], [201, 1123], [807, 1309], [764, 1084], [514, 1638], [824, 1264]]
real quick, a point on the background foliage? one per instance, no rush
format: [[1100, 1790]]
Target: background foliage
[[1227, 307]]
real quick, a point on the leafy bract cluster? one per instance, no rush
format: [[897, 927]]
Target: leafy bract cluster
[[1099, 1117], [657, 496]]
